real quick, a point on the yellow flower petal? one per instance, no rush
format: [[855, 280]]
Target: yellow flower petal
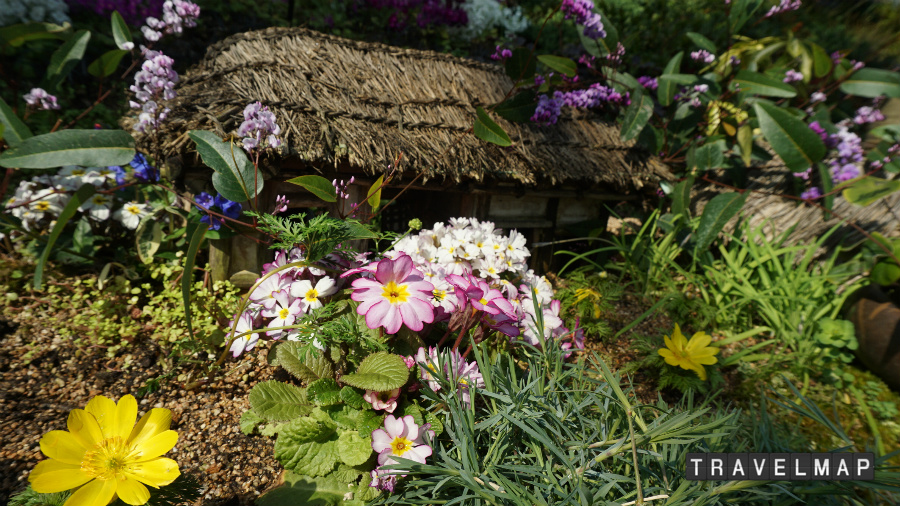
[[678, 339], [95, 493], [62, 446], [104, 411], [155, 473], [699, 341], [698, 369], [126, 414], [132, 492], [53, 476], [84, 427], [669, 344], [151, 424], [705, 360], [157, 445], [668, 356]]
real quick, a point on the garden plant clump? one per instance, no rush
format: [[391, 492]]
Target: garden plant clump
[[451, 363]]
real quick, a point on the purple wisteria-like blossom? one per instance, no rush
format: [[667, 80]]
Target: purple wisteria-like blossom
[[40, 99], [582, 11], [792, 76], [703, 55], [259, 125], [177, 15], [154, 82], [784, 6]]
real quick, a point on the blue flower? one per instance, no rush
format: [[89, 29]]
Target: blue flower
[[143, 171], [221, 204], [120, 174]]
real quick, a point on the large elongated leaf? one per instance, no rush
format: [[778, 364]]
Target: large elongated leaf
[[487, 130], [741, 12], [702, 41], [14, 131], [715, 215], [791, 139], [65, 58], [235, 176], [121, 32], [518, 108], [90, 148], [681, 198], [761, 84], [80, 197], [16, 35], [521, 65], [666, 90], [195, 231], [373, 196], [636, 116], [708, 156], [107, 63], [317, 185], [558, 63], [867, 190], [822, 63], [872, 83], [380, 371]]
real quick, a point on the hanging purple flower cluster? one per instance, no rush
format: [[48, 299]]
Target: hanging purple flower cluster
[[154, 82], [792, 76], [784, 6], [177, 14], [703, 55], [425, 12], [259, 123], [582, 11], [648, 82], [548, 109], [223, 205], [133, 12], [40, 99]]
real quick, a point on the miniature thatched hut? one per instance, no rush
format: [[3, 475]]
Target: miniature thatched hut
[[351, 108]]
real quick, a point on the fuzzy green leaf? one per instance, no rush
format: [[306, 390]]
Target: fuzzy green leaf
[[353, 397], [234, 173], [715, 215], [790, 137], [435, 423], [308, 491], [353, 449], [487, 130], [89, 148], [324, 392], [249, 421], [308, 367], [369, 421], [317, 185], [307, 446], [380, 371], [274, 400]]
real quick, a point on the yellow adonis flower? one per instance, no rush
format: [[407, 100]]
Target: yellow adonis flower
[[691, 355], [107, 455]]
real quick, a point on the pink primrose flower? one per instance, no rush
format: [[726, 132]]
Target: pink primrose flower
[[283, 313], [383, 400], [401, 437], [397, 296], [245, 323]]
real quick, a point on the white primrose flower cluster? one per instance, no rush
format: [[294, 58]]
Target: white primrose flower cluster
[[38, 202], [468, 246]]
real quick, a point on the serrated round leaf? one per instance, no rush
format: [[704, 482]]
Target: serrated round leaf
[[380, 372], [274, 400], [317, 185], [305, 490], [249, 421], [353, 449], [89, 148], [353, 397], [324, 392], [311, 451], [369, 421], [436, 425], [487, 130], [308, 367], [790, 137]]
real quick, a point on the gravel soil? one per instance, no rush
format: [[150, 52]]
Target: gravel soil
[[42, 378]]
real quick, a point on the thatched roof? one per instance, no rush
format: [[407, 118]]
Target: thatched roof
[[342, 100]]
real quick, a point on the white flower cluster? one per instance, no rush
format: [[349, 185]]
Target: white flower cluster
[[38, 202], [484, 15], [33, 11]]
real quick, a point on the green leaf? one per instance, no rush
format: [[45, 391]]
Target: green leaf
[[353, 397], [195, 231], [666, 89], [324, 392], [885, 272], [16, 35], [760, 84], [880, 152], [866, 190], [148, 237], [121, 32], [107, 63], [708, 156], [521, 65], [636, 116], [603, 46], [827, 186], [715, 215], [89, 148], [15, 130], [369, 421], [307, 446], [745, 141], [519, 108], [374, 194], [249, 421], [822, 63], [380, 372], [65, 58], [235, 177], [304, 490], [353, 449], [558, 63], [681, 198], [309, 367], [791, 139], [277, 401], [435, 422], [80, 197], [318, 186], [356, 230], [702, 42], [872, 83], [487, 130], [741, 12]]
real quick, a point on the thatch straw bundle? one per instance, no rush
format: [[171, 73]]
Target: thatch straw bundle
[[341, 101]]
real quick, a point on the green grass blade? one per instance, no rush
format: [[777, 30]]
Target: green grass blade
[[83, 193]]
